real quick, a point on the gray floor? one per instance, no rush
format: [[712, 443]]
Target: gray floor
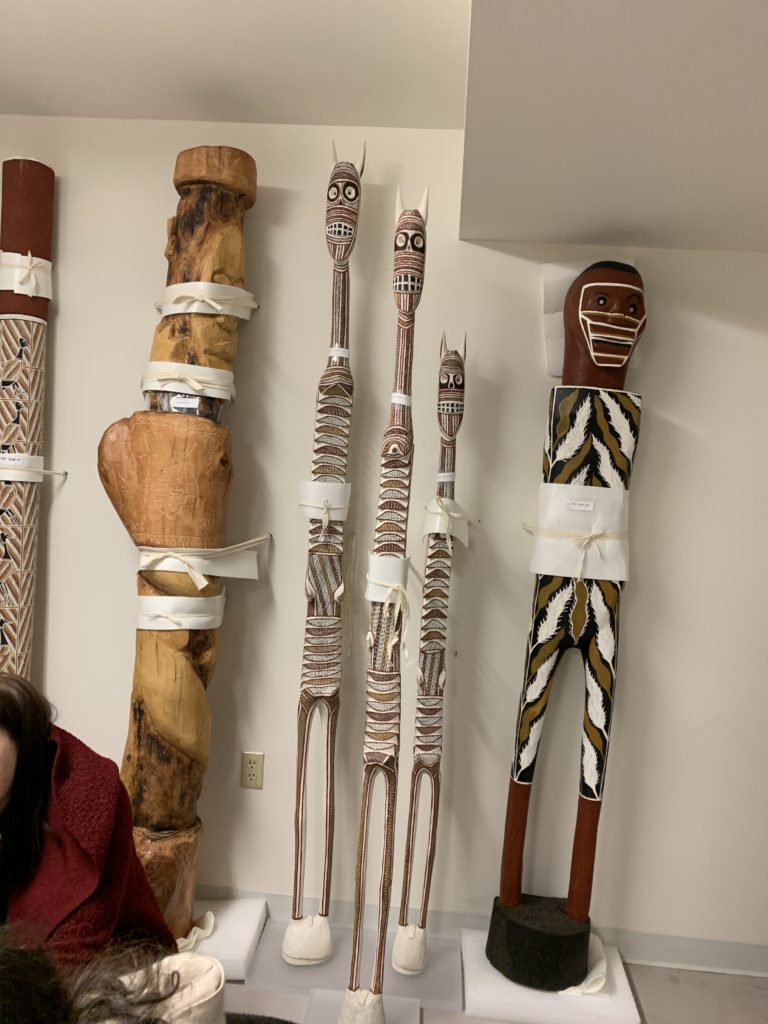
[[664, 995], [667, 995]]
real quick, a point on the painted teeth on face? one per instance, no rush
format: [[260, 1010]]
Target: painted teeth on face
[[339, 230], [407, 283]]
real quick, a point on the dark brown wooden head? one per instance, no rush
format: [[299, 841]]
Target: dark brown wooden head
[[26, 225], [604, 316]]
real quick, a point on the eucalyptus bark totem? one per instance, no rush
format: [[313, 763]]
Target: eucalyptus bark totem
[[325, 501], [581, 562], [386, 590], [167, 472], [26, 231], [445, 523]]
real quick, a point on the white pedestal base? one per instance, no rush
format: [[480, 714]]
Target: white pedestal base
[[239, 924], [325, 1007], [307, 941], [489, 995]]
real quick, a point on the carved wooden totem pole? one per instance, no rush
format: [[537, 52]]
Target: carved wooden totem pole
[[581, 562], [386, 590], [26, 230], [167, 472], [445, 523], [325, 501]]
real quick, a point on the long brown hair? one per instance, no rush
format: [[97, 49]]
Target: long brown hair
[[26, 716]]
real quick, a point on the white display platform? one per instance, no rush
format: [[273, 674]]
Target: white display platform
[[438, 987], [239, 924], [489, 995], [325, 1006]]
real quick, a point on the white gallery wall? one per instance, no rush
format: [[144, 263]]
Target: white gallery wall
[[684, 838]]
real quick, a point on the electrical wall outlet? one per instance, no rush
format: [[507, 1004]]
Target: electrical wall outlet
[[251, 770]]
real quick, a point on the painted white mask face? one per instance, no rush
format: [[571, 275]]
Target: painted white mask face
[[612, 317], [8, 757]]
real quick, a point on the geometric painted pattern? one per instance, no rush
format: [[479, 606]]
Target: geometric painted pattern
[[22, 387], [591, 441]]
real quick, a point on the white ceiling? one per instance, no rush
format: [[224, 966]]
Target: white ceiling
[[621, 123], [587, 121], [394, 63]]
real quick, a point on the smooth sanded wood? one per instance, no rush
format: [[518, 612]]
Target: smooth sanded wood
[[168, 478], [229, 168]]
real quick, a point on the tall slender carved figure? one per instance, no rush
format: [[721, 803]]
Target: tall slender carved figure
[[167, 472], [26, 231], [445, 523], [325, 501], [581, 562], [386, 590]]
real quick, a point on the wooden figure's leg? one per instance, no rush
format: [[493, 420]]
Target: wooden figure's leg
[[333, 704], [583, 859], [306, 708], [518, 800]]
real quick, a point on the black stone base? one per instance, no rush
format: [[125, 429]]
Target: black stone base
[[535, 944]]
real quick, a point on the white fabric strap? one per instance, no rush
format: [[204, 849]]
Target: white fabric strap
[[25, 275], [386, 583], [187, 379], [324, 499], [446, 478], [238, 561], [398, 398], [444, 515], [337, 350], [167, 613], [206, 297], [26, 468], [581, 532]]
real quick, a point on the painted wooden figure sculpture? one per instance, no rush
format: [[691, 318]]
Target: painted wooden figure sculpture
[[445, 523], [325, 501], [26, 232], [581, 562], [167, 472], [386, 590]]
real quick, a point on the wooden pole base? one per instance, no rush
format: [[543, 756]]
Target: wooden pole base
[[537, 944], [170, 861]]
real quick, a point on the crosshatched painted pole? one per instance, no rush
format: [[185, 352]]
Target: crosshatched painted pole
[[445, 524], [26, 231], [325, 501], [387, 580]]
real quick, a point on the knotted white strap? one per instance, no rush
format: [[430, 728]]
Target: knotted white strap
[[25, 275], [399, 398], [167, 613], [324, 499], [238, 561], [206, 297], [444, 515], [386, 582], [581, 532], [187, 379], [26, 468]]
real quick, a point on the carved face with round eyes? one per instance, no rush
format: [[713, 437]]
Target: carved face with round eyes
[[397, 444], [450, 394], [410, 254], [342, 209], [605, 308]]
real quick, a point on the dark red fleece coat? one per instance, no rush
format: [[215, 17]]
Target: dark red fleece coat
[[90, 886]]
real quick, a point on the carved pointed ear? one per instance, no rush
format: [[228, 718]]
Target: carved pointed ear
[[464, 353], [443, 347], [362, 163], [334, 154], [399, 205], [424, 205]]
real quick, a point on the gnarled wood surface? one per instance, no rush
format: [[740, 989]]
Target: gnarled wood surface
[[168, 476]]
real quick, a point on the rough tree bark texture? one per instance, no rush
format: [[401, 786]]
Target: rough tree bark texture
[[168, 476]]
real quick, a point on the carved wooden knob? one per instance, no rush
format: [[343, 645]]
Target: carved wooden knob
[[230, 168]]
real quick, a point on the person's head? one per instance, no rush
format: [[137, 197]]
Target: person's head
[[25, 776], [31, 989]]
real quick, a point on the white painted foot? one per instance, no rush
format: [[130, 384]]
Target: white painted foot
[[362, 1007], [409, 954], [307, 941]]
